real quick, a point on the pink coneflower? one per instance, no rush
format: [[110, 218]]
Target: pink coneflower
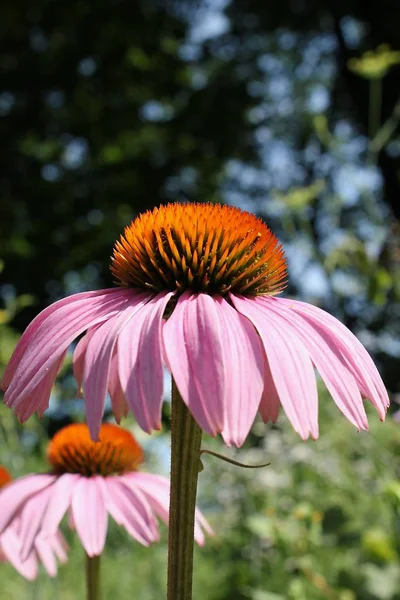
[[89, 481], [44, 549], [198, 294]]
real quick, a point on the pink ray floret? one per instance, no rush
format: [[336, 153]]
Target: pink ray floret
[[230, 360], [32, 508]]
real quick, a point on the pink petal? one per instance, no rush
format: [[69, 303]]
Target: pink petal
[[357, 358], [290, 365], [38, 399], [157, 490], [59, 546], [244, 370], [60, 501], [269, 405], [118, 401], [130, 509], [51, 338], [329, 362], [10, 545], [140, 363], [90, 514], [98, 358], [36, 325], [46, 555], [194, 348], [15, 494], [31, 519]]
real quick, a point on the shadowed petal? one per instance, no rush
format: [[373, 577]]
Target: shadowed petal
[[244, 370], [129, 508], [270, 403], [118, 400], [140, 363], [194, 348], [330, 364], [98, 358], [50, 339], [290, 365], [90, 514], [357, 358], [78, 358]]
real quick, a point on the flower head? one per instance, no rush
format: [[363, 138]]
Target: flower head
[[199, 285], [89, 481], [203, 248], [45, 549]]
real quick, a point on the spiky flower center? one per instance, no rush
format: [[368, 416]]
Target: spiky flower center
[[5, 477], [72, 451], [207, 248]]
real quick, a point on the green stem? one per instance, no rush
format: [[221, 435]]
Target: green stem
[[93, 577], [185, 464]]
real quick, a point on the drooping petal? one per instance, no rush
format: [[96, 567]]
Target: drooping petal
[[129, 508], [35, 326], [357, 358], [51, 338], [31, 519], [270, 403], [156, 488], [194, 347], [10, 546], [244, 364], [60, 547], [140, 362], [290, 365], [329, 362], [90, 514], [15, 494], [98, 358], [201, 525], [60, 501], [46, 555], [38, 399]]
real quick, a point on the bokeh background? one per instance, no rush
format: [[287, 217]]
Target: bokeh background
[[289, 109]]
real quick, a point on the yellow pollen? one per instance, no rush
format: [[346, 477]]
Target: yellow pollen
[[209, 248], [72, 451]]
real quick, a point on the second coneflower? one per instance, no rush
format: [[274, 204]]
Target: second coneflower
[[89, 481]]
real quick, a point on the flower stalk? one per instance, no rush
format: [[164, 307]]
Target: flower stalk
[[93, 577], [185, 465]]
